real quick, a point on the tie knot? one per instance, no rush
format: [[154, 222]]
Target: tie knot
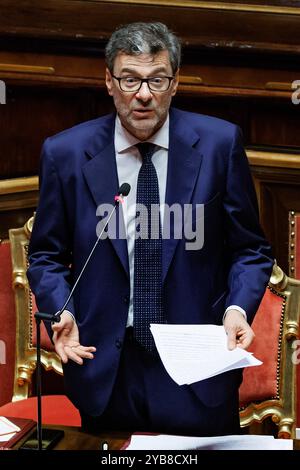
[[146, 150]]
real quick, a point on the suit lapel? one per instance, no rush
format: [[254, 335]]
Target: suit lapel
[[183, 168], [101, 176]]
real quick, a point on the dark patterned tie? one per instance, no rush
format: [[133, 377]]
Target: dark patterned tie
[[147, 288]]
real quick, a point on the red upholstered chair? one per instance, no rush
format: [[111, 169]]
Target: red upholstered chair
[[8, 324], [271, 389], [57, 409]]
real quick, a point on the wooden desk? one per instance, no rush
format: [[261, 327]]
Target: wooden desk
[[75, 439]]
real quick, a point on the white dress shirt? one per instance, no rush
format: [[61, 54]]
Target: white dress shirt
[[129, 162]]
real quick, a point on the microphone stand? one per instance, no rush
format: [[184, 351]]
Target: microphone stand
[[39, 316], [53, 436]]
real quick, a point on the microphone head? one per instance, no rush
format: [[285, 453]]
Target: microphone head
[[124, 189]]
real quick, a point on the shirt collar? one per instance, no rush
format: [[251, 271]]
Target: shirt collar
[[124, 140]]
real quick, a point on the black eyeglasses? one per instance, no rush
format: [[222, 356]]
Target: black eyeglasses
[[132, 84]]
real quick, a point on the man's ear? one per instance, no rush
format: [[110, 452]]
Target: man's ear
[[175, 83], [108, 81]]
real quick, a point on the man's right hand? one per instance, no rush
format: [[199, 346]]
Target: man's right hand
[[66, 341]]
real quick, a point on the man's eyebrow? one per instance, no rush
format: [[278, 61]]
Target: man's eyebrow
[[136, 73]]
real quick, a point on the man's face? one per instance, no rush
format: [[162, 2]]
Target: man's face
[[142, 112]]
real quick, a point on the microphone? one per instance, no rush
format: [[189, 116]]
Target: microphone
[[122, 192]]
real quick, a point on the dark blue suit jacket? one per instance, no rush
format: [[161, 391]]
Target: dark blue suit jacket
[[206, 164]]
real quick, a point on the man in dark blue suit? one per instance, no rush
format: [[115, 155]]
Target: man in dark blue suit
[[194, 160]]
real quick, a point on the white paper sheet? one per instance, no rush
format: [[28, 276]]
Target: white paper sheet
[[7, 429], [6, 437], [196, 352], [244, 442]]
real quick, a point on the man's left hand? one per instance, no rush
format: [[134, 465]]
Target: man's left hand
[[239, 332]]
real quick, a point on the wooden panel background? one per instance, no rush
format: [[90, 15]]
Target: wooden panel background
[[235, 66]]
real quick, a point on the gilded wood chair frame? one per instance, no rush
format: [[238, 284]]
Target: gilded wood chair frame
[[282, 407], [25, 361], [294, 244]]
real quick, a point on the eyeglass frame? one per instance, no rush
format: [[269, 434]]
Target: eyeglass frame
[[143, 80]]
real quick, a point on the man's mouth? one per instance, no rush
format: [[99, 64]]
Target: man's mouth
[[142, 112]]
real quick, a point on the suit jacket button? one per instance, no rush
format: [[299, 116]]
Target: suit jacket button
[[119, 343], [126, 299]]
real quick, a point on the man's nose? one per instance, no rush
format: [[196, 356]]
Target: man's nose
[[144, 93]]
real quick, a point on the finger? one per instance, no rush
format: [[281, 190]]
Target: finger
[[59, 326], [83, 351], [245, 341], [245, 337], [231, 339], [71, 353], [65, 321], [87, 348], [59, 348], [84, 354]]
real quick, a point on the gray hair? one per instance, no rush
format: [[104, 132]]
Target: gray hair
[[143, 38]]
